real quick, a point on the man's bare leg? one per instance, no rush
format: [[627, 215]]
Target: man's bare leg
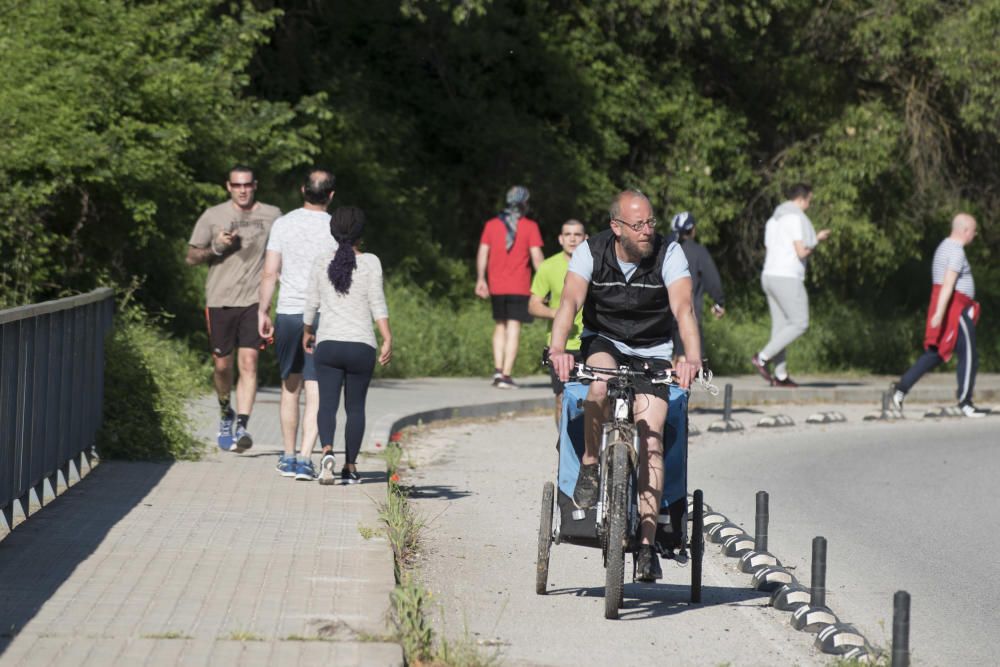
[[512, 338], [246, 386], [595, 408], [310, 427], [499, 337], [650, 414], [222, 376], [289, 411]]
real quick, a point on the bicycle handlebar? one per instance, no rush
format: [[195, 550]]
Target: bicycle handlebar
[[583, 372]]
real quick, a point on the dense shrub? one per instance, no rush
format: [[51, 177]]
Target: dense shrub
[[148, 380], [433, 337]]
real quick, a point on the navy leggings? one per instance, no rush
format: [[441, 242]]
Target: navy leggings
[[347, 365], [968, 362]]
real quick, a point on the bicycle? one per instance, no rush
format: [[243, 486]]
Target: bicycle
[[616, 521]]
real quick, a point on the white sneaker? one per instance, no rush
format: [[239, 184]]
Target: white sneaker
[[970, 410], [326, 466], [897, 401]]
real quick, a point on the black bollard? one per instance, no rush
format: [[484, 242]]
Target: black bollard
[[758, 557], [816, 616], [817, 596], [697, 545], [901, 629], [727, 406], [760, 528]]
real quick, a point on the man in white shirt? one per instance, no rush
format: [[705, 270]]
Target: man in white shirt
[[296, 240], [789, 238]]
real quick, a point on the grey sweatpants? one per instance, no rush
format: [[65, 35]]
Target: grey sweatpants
[[789, 305]]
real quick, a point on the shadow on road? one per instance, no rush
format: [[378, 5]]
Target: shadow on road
[[436, 492], [656, 600], [42, 553]]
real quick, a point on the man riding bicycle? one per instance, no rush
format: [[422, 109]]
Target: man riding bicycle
[[632, 286]]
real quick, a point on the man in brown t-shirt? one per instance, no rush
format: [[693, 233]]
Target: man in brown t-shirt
[[232, 238]]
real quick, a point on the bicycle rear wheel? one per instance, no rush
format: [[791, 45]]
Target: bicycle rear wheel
[[617, 521], [544, 539]]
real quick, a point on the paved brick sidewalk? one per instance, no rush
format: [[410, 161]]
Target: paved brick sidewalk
[[216, 562]]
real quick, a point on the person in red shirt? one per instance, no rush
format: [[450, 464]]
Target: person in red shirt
[[508, 243]]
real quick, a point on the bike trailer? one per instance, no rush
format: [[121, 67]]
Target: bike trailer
[[671, 532]]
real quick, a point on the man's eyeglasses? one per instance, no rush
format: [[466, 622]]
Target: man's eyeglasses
[[637, 227], [241, 186]]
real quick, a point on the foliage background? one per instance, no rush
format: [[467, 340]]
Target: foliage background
[[119, 119]]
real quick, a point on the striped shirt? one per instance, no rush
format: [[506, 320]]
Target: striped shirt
[[951, 255]]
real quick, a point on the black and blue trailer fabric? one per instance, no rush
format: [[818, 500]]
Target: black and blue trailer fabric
[[672, 529]]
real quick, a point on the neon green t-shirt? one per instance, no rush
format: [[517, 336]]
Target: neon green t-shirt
[[548, 281]]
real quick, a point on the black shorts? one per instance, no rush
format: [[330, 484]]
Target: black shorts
[[557, 384], [232, 327], [510, 307], [643, 385]]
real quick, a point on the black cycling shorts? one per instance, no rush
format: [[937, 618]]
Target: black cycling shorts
[[643, 385]]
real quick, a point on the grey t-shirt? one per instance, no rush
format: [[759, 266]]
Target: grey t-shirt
[[299, 237], [951, 255], [234, 278]]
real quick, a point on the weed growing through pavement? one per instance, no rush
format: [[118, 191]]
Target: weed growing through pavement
[[167, 635], [243, 636], [367, 532]]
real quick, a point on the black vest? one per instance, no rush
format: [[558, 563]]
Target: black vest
[[635, 312]]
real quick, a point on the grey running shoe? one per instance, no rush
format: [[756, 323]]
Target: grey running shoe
[[326, 466], [505, 382], [647, 564], [587, 486]]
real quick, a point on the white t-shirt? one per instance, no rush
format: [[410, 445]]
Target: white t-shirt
[[780, 235], [675, 267], [300, 237]]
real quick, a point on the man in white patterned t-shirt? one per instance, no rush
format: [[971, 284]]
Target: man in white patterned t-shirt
[[296, 240], [951, 318]]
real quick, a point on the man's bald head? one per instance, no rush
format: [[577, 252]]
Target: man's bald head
[[963, 228]]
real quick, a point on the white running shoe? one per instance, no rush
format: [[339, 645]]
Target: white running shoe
[[970, 410]]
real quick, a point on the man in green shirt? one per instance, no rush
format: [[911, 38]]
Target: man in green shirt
[[546, 290]]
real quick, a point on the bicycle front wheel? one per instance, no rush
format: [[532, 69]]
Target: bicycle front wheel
[[617, 522]]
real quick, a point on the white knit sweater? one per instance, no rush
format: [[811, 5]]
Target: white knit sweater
[[346, 317]]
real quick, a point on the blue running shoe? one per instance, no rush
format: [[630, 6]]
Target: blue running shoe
[[225, 437], [242, 440], [304, 471], [286, 466]]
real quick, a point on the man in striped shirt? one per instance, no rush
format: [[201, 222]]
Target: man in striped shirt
[[951, 318]]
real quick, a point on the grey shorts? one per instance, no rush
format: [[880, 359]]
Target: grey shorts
[[288, 344]]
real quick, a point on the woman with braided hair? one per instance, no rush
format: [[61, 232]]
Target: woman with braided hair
[[348, 290]]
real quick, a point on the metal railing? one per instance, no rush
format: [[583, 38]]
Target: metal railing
[[51, 391]]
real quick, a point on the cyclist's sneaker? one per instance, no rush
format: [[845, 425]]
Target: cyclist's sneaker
[[788, 383], [647, 564], [242, 440], [970, 410], [225, 436], [506, 382], [286, 466], [761, 367], [349, 476], [587, 486], [304, 471], [897, 400], [326, 466]]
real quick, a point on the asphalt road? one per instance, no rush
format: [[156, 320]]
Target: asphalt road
[[908, 505], [480, 484]]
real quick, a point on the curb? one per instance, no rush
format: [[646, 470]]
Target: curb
[[388, 425]]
